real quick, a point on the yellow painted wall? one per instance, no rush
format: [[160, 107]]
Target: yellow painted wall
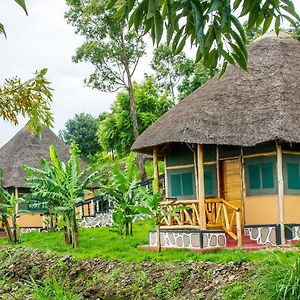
[[292, 209], [30, 220], [261, 210]]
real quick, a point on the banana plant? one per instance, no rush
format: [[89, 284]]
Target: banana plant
[[121, 187], [62, 186], [9, 212]]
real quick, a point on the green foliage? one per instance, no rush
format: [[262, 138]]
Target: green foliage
[[23, 5], [51, 289], [284, 281], [29, 99], [82, 129], [61, 186], [115, 130], [295, 31], [9, 211], [109, 45], [210, 25], [177, 72], [125, 198]]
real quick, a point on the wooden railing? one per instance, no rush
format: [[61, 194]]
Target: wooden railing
[[219, 214]]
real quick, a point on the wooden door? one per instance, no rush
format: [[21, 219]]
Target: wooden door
[[231, 182]]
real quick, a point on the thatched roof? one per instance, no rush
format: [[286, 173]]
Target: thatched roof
[[242, 108], [27, 149]]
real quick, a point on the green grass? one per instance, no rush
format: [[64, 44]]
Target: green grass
[[104, 243]]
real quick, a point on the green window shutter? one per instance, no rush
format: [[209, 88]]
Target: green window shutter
[[210, 180], [261, 178], [208, 183], [175, 185], [187, 184], [293, 176], [179, 155], [254, 176], [267, 175]]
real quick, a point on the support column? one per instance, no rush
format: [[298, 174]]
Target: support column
[[280, 192], [201, 193], [156, 173]]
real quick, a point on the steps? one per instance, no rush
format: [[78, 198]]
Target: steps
[[247, 243]]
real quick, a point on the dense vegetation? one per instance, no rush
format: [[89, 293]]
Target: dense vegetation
[[108, 265]]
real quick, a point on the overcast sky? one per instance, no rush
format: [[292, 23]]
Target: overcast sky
[[43, 39]]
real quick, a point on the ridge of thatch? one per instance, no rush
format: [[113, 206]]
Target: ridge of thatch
[[240, 108], [26, 148]]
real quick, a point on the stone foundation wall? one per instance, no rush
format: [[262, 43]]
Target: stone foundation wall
[[29, 229], [99, 220], [292, 232], [264, 235], [188, 239]]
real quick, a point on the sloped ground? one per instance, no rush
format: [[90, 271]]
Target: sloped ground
[[112, 279]]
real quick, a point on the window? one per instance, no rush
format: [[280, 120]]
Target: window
[[210, 181], [182, 183], [291, 173], [261, 176]]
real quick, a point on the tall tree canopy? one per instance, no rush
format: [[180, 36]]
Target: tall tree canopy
[[112, 48], [115, 131], [210, 25], [82, 129], [177, 75]]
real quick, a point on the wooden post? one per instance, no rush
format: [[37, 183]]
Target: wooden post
[[156, 174], [166, 180], [238, 228], [280, 192], [201, 192]]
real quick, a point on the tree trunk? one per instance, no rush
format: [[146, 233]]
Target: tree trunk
[[131, 231], [127, 228], [14, 223], [134, 121], [51, 220], [7, 228], [158, 237], [75, 232]]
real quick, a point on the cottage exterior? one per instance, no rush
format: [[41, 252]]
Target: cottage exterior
[[26, 148], [232, 154]]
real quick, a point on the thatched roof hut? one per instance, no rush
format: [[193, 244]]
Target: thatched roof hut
[[242, 108], [26, 148]]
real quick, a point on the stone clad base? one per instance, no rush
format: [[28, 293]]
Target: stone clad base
[[292, 232], [268, 235], [191, 239], [99, 220]]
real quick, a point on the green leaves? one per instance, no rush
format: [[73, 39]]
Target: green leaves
[[23, 5], [210, 25], [29, 99]]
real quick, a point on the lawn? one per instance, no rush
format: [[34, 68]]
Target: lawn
[[105, 243]]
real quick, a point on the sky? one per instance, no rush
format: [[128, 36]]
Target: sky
[[44, 39]]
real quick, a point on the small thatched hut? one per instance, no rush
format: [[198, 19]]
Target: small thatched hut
[[26, 148], [232, 153]]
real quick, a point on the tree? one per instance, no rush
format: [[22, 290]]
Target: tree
[[9, 211], [30, 99], [112, 48], [83, 130], [121, 187], [64, 183], [115, 131], [210, 25], [167, 68]]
